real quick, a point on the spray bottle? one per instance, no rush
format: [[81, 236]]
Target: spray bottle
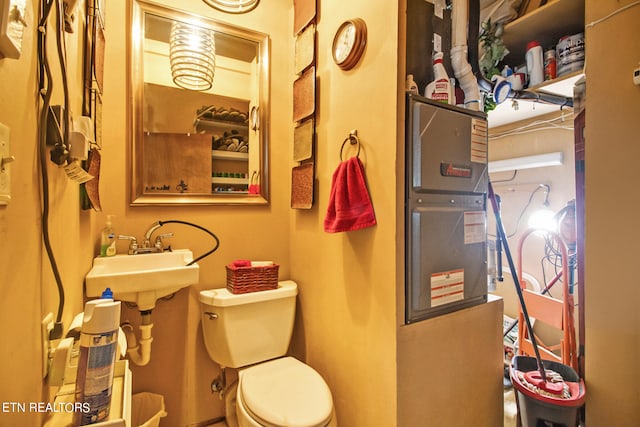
[[96, 362], [440, 88], [108, 238]]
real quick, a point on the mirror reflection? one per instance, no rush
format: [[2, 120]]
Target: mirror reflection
[[200, 105]]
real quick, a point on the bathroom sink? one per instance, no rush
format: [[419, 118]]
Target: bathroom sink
[[142, 279]]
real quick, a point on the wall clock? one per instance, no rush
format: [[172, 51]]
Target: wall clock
[[349, 42]]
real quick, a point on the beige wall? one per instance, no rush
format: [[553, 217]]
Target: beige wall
[[27, 286], [612, 292], [348, 314], [180, 369], [346, 326]]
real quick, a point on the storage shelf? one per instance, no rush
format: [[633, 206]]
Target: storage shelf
[[204, 125], [547, 24], [562, 85], [229, 155], [229, 181]]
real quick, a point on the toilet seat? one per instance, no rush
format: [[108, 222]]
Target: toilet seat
[[285, 392]]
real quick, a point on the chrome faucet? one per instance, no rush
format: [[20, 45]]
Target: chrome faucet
[[147, 236], [147, 247]]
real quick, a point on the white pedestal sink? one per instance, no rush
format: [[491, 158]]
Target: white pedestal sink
[[142, 279]]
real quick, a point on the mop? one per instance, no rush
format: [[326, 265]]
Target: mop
[[542, 383]]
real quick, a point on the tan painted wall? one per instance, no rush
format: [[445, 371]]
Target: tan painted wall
[[346, 322], [180, 369], [612, 292], [347, 318], [449, 369], [27, 285]]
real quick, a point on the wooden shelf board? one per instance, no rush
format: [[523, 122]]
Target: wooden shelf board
[[542, 25]]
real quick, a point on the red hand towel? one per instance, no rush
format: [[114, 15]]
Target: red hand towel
[[349, 202]]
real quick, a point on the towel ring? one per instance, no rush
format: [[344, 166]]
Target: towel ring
[[353, 140]]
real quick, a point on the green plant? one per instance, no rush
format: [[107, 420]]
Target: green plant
[[493, 51], [492, 48]]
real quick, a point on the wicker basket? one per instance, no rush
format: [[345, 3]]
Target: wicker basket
[[241, 280]]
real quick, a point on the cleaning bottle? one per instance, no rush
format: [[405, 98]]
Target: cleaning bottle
[[411, 86], [96, 361], [440, 88], [108, 238], [535, 63]]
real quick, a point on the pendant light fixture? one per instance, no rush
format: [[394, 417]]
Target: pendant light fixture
[[233, 6], [192, 53]]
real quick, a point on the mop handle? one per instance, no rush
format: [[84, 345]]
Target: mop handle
[[502, 235]]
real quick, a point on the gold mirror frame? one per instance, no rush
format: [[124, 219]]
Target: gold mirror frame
[[259, 114]]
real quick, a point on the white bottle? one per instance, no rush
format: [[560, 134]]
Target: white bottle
[[535, 63], [410, 85], [440, 88], [108, 238], [96, 361]]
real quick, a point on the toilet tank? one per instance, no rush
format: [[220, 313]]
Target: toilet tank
[[243, 329]]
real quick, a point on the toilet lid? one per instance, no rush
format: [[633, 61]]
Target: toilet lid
[[286, 392]]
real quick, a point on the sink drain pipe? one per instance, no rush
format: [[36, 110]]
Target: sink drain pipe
[[139, 352]]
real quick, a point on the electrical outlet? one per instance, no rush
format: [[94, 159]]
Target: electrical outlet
[[5, 159], [46, 328], [437, 42]]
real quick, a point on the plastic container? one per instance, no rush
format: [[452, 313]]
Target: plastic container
[[108, 238], [147, 409], [411, 86], [535, 63], [96, 361], [570, 53], [535, 409], [440, 88]]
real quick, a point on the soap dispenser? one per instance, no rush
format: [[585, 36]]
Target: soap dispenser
[[108, 239]]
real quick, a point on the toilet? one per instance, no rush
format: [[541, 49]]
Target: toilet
[[251, 332]]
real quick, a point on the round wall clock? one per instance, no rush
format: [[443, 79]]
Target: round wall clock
[[349, 42]]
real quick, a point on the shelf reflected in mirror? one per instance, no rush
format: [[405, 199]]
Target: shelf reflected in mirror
[[198, 146]]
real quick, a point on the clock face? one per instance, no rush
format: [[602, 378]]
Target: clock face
[[344, 42], [349, 43]]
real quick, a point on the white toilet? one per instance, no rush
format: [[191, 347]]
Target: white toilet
[[252, 331]]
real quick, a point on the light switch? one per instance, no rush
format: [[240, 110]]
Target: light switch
[[5, 160], [12, 25]]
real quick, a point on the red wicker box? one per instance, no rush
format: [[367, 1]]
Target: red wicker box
[[241, 280]]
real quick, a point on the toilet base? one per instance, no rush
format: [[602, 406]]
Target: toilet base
[[230, 415]]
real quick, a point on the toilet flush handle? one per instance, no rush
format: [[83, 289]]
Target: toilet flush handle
[[212, 316]]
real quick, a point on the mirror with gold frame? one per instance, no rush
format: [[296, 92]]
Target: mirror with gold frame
[[206, 147]]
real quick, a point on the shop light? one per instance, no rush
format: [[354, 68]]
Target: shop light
[[527, 162]]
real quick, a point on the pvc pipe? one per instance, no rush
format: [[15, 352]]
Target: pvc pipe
[[140, 354], [461, 68]]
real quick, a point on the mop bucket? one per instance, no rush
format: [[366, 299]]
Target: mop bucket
[[535, 405]]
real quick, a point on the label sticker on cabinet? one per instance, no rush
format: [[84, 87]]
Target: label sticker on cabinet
[[479, 141], [446, 287], [474, 227]]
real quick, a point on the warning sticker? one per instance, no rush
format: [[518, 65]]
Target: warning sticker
[[475, 227], [447, 287], [479, 141]]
